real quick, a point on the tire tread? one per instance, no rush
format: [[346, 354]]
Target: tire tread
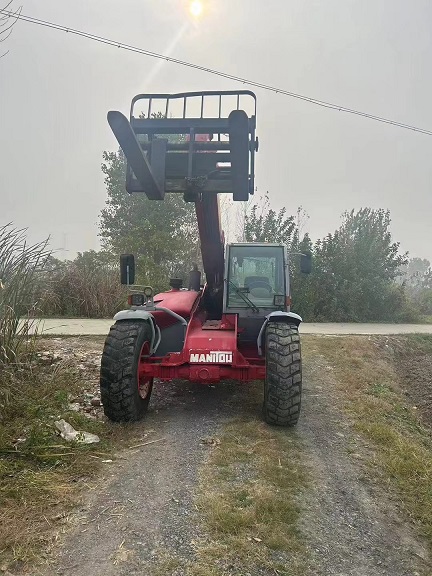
[[118, 384], [283, 382]]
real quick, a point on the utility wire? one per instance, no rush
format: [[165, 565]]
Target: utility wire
[[244, 81]]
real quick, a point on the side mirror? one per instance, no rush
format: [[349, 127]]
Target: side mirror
[[127, 269], [306, 263]]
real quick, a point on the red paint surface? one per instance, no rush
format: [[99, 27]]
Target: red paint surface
[[206, 373], [246, 365], [199, 338], [179, 301]]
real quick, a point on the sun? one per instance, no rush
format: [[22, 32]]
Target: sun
[[196, 8]]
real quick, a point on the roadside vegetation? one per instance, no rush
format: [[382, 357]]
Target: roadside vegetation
[[19, 266], [255, 478], [40, 473], [86, 287], [251, 486], [385, 387], [359, 273]]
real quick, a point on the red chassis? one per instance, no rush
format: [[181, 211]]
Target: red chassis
[[211, 350]]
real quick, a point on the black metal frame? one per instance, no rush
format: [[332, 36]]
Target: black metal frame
[[185, 96], [156, 166]]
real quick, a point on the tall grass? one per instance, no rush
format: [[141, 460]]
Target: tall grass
[[86, 287], [20, 265], [38, 474], [34, 283]]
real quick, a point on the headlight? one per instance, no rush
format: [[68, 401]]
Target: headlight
[[136, 299], [279, 300], [148, 291]]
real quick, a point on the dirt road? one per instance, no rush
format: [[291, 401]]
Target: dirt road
[[141, 516], [144, 509], [83, 326]]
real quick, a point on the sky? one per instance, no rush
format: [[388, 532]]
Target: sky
[[370, 55]]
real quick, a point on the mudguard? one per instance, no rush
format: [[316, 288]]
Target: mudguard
[[142, 316], [288, 317]]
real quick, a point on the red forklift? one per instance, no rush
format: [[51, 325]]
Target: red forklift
[[238, 324]]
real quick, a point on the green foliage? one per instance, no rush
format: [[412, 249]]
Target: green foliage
[[423, 301], [417, 277], [303, 292], [162, 235], [40, 472], [417, 274], [355, 269], [263, 224]]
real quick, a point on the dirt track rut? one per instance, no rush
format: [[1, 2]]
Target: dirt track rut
[[144, 508], [352, 527]]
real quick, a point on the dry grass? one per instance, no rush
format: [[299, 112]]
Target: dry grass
[[20, 267], [41, 474], [368, 381], [85, 287], [248, 500], [167, 565]]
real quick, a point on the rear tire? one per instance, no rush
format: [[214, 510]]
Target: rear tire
[[125, 395], [283, 381]]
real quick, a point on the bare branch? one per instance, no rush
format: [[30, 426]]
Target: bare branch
[[8, 18], [7, 5], [6, 33], [7, 15]]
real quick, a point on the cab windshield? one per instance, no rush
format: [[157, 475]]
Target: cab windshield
[[256, 274]]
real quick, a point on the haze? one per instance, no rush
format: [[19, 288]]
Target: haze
[[372, 55]]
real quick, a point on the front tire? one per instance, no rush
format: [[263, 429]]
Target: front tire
[[283, 381], [125, 393]]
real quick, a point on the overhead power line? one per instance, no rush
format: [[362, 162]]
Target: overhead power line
[[245, 81]]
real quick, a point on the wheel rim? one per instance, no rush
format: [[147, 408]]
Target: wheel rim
[[144, 381]]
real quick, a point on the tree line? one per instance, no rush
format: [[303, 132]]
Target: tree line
[[359, 273]]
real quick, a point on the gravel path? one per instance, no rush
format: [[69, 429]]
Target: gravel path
[[144, 511]]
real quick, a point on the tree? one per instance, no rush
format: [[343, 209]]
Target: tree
[[162, 234], [355, 270], [417, 277], [417, 274], [423, 301], [263, 224], [302, 286]]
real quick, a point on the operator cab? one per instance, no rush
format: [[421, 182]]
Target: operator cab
[[256, 279]]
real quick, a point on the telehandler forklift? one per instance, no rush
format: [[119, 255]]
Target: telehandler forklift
[[238, 325]]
